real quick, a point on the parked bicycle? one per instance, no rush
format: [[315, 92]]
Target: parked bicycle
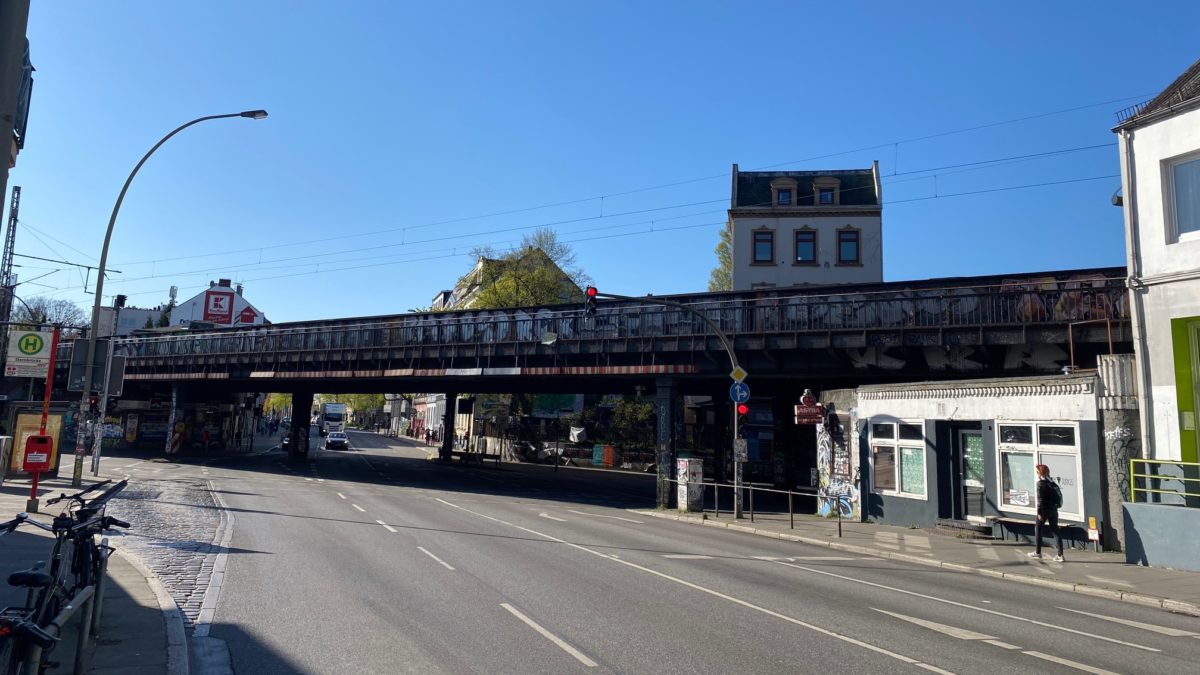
[[77, 573]]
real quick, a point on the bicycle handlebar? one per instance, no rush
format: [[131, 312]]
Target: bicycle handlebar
[[78, 496], [8, 527]]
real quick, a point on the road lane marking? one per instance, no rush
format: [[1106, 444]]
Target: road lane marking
[[307, 478], [952, 631], [562, 644], [1173, 632], [387, 527], [1070, 664], [717, 594], [964, 634], [359, 508], [597, 515], [812, 558], [550, 517], [440, 561], [686, 556], [972, 607], [341, 495], [320, 480]]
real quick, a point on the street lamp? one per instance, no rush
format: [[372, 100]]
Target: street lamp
[[80, 443]]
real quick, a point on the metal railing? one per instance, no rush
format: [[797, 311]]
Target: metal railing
[[1188, 474], [1019, 302], [748, 498]]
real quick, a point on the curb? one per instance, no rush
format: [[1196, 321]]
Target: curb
[[177, 648], [208, 605], [1168, 604]]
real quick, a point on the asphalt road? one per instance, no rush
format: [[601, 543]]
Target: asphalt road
[[377, 560]]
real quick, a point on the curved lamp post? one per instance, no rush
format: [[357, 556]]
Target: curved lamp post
[[80, 442]]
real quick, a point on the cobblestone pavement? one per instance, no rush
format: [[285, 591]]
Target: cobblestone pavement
[[176, 525]]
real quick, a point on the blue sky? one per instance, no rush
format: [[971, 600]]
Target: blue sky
[[400, 134]]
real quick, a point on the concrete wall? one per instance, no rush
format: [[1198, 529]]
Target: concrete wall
[[1162, 536], [826, 271]]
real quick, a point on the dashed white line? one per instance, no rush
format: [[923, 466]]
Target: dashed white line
[[308, 479], [562, 644], [341, 495], [550, 517], [597, 515], [1000, 644], [960, 604], [717, 594], [1070, 664], [1173, 632], [443, 563], [359, 508], [387, 527], [687, 556]]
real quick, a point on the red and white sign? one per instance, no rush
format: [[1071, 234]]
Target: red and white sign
[[809, 411], [218, 306], [247, 316]]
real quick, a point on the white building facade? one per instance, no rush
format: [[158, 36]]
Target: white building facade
[[1159, 144], [794, 228]]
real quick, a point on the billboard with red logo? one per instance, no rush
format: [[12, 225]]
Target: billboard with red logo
[[218, 306]]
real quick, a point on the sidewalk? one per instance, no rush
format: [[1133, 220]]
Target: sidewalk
[[1084, 571], [141, 631]]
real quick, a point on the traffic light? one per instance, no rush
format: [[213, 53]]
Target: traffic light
[[743, 415], [589, 301]]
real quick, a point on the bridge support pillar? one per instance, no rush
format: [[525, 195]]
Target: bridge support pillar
[[446, 450], [302, 403], [666, 392]]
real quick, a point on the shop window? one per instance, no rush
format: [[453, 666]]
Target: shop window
[[898, 452], [1022, 446]]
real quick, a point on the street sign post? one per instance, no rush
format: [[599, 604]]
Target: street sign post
[[739, 392]]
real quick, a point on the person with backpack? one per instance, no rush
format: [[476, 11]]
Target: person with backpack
[[1049, 500]]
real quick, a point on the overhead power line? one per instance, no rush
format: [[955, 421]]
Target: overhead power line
[[610, 195]]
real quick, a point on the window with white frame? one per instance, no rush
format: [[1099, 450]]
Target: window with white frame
[[1022, 446], [1183, 176], [898, 458]]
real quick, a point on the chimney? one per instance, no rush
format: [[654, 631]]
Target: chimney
[[224, 283], [239, 290]]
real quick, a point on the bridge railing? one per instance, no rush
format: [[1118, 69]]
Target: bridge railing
[[1021, 302]]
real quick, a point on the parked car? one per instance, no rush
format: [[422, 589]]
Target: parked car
[[337, 440]]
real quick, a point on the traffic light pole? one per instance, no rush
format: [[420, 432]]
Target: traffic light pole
[[593, 294]]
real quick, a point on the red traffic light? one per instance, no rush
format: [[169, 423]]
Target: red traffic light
[[743, 409], [591, 292]]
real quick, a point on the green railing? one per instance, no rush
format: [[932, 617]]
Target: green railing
[[1188, 473]]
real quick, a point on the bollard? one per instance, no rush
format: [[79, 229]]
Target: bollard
[[752, 505], [101, 583], [716, 500], [791, 516]]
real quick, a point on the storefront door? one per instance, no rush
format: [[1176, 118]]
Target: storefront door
[[970, 446]]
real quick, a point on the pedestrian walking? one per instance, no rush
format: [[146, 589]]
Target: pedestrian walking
[[237, 439], [1049, 500]]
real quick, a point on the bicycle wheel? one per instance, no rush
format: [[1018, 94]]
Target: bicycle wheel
[[7, 665]]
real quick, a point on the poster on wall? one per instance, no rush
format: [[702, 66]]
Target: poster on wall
[[131, 427], [28, 424]]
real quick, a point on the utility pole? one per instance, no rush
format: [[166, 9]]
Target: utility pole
[[7, 283]]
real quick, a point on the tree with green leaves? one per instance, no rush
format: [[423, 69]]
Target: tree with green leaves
[[40, 309], [721, 277], [541, 271]]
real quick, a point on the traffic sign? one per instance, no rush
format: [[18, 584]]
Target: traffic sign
[[738, 374], [739, 392], [28, 354]]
